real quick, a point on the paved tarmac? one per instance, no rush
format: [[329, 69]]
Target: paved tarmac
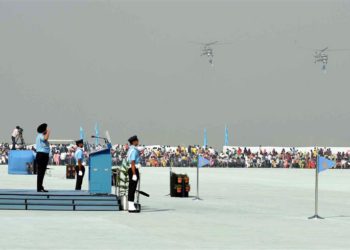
[[241, 209]]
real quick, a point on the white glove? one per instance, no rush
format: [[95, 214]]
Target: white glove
[[80, 173], [134, 177]]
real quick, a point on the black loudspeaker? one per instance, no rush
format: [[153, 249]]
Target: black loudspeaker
[[179, 185], [70, 171]]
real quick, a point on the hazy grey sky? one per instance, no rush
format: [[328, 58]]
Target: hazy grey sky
[[130, 67]]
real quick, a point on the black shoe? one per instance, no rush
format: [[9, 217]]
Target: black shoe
[[43, 191], [134, 211]]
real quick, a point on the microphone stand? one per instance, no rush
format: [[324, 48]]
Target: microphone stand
[[105, 140]]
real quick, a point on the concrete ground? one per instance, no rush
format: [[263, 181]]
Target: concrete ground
[[241, 209]]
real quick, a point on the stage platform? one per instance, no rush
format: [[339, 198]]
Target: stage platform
[[59, 200]]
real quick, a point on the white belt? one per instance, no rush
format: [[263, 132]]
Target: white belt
[[136, 165]]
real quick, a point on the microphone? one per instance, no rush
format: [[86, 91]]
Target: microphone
[[102, 138]]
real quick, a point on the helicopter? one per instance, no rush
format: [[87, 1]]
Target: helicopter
[[208, 51], [321, 55]]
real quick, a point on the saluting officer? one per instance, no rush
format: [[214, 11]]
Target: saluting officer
[[133, 158], [42, 154], [79, 168]]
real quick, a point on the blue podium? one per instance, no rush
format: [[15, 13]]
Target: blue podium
[[100, 172], [19, 161]]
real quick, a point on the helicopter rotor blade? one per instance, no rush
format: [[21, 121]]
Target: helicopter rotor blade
[[211, 43], [224, 43], [309, 48], [204, 44], [339, 50], [194, 42]]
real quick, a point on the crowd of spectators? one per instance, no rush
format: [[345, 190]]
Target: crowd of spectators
[[237, 157], [283, 158], [4, 149], [61, 154], [166, 156]]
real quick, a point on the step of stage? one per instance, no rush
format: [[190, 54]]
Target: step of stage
[[57, 200]]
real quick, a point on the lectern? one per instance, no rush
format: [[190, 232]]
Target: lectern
[[19, 161], [100, 172]]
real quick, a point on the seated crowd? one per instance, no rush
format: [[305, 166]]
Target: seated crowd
[[237, 157], [284, 158]]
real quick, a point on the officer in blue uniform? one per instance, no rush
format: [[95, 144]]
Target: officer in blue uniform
[[133, 158], [42, 154], [79, 168]]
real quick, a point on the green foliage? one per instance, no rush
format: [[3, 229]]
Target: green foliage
[[123, 180]]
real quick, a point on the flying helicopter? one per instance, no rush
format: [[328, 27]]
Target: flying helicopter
[[207, 50], [321, 56]]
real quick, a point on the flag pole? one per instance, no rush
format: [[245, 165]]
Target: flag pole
[[197, 196], [197, 182], [170, 171], [316, 216]]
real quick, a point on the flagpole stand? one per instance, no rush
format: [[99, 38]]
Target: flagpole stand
[[170, 171], [316, 216], [197, 199], [197, 196]]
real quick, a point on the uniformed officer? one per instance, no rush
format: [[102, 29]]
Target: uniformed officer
[[79, 168], [133, 158], [42, 154]]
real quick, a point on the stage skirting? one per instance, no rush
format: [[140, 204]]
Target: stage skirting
[[60, 200]]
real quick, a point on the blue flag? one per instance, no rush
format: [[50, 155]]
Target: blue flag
[[202, 161], [82, 135], [205, 143], [97, 133], [324, 164], [226, 136]]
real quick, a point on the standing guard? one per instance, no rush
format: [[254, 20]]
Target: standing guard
[[79, 168], [133, 158]]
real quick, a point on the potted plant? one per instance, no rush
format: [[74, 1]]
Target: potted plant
[[123, 185]]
